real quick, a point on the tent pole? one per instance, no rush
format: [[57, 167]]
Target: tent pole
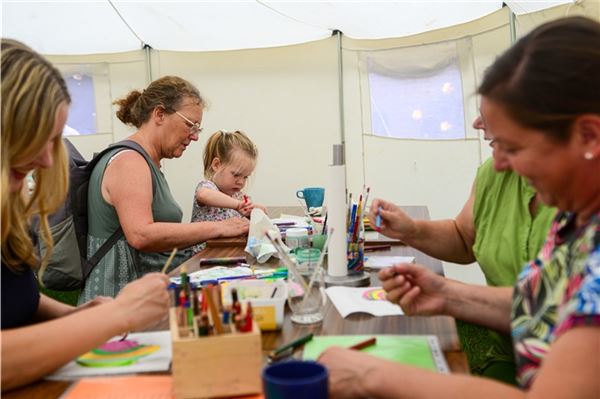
[[512, 26], [148, 56], [338, 35]]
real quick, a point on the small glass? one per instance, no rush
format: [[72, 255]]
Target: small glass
[[307, 259], [307, 309]]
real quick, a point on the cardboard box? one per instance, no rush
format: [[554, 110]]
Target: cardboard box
[[216, 365], [267, 298]]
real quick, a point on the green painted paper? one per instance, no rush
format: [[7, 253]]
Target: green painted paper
[[411, 350]]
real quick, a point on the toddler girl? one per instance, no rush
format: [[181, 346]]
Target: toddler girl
[[229, 159]]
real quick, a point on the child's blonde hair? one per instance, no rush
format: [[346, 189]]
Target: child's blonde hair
[[222, 145]]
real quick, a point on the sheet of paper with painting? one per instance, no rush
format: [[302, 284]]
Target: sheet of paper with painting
[[348, 300], [416, 350], [140, 352]]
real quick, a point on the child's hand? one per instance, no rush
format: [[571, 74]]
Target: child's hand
[[246, 208]]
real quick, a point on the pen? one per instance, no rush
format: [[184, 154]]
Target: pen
[[294, 344], [371, 248], [364, 344], [223, 261]]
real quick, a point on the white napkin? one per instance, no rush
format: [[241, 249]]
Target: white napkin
[[258, 244]]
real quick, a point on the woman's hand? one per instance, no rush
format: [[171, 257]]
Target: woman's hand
[[233, 227], [145, 301], [394, 222], [417, 290], [348, 371]]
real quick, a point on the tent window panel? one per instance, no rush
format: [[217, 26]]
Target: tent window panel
[[417, 103], [82, 112]]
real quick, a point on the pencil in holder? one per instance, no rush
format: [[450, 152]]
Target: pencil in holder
[[356, 248], [215, 365]]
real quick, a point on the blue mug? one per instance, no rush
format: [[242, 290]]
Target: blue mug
[[295, 379], [313, 196]]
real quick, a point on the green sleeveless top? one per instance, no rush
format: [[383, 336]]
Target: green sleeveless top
[[507, 236], [123, 264]]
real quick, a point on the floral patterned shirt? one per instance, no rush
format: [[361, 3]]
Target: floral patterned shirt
[[556, 292], [205, 213]]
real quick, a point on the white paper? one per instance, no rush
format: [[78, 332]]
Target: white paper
[[157, 361], [348, 300], [258, 244], [380, 262]]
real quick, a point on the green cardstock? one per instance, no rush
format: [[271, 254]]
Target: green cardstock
[[415, 350]]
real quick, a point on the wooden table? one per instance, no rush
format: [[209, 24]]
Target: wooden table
[[442, 326]]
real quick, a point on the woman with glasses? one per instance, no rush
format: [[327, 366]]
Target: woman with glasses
[[129, 191]]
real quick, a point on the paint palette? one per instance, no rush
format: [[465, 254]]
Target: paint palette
[[116, 354]]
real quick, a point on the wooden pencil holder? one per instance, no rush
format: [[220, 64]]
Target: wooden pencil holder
[[216, 365]]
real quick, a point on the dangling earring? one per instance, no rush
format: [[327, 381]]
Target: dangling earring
[[588, 156]]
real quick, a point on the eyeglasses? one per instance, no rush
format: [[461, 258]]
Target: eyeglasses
[[194, 127]]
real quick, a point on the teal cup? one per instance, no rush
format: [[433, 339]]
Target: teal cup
[[313, 196]]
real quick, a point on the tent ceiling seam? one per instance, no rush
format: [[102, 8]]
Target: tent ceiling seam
[[142, 42], [292, 18]]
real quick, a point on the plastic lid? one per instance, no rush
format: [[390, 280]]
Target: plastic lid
[[306, 254], [296, 232]]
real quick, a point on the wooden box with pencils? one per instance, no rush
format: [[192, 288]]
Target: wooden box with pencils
[[216, 365], [213, 358]]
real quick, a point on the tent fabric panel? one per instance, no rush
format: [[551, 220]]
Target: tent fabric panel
[[212, 26], [378, 20], [67, 27]]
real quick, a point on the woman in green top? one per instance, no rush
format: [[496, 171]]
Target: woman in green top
[[502, 225], [167, 114]]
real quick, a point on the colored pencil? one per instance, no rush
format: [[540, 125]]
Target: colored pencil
[[364, 344]]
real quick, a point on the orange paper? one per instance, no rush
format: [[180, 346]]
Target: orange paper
[[133, 387]]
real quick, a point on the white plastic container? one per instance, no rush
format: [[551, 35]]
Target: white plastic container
[[266, 296], [297, 238]]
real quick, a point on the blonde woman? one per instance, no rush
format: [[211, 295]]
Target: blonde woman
[[40, 334]]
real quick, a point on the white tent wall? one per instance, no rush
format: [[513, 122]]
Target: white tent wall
[[411, 172], [286, 99]]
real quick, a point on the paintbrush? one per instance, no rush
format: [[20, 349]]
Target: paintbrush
[[168, 262]]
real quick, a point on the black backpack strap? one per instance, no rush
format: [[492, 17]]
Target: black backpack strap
[[104, 248], [138, 148], [112, 240]]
